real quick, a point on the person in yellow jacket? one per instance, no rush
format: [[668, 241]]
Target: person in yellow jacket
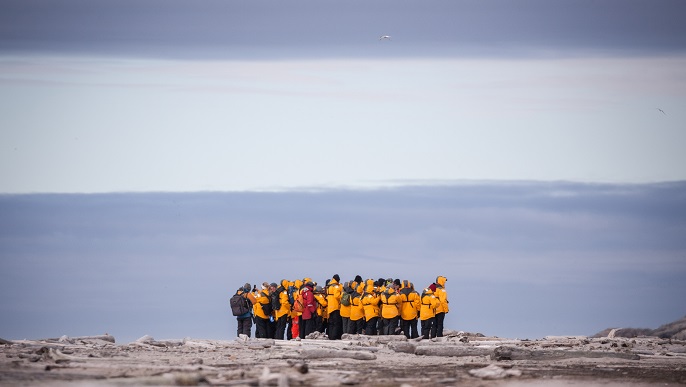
[[346, 295], [333, 299], [390, 301], [370, 302], [282, 313], [357, 321], [262, 310], [427, 312], [443, 307], [322, 314], [410, 302]]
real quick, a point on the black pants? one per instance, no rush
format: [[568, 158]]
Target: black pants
[[409, 328], [356, 326], [389, 325], [429, 328], [346, 325], [244, 326], [371, 327], [439, 324], [307, 326], [261, 327], [280, 329], [322, 324], [335, 325]]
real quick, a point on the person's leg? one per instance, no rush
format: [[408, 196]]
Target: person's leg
[[413, 328], [426, 329], [440, 317]]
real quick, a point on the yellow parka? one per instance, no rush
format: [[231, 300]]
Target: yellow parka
[[370, 302], [283, 297], [410, 302], [390, 302], [333, 296], [429, 305], [262, 299], [441, 294], [356, 307], [345, 309], [321, 305]]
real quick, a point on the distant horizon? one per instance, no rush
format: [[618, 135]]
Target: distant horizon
[[366, 186]]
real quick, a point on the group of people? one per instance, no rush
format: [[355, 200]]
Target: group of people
[[292, 309]]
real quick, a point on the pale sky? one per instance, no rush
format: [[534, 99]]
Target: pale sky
[[148, 96]]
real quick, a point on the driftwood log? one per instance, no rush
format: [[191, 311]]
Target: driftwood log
[[452, 350], [314, 353], [513, 353]]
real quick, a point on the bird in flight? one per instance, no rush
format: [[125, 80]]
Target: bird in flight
[[661, 111], [385, 37]]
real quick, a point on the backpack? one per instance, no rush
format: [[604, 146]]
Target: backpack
[[239, 305], [267, 308], [275, 300], [291, 290], [298, 303], [345, 299]]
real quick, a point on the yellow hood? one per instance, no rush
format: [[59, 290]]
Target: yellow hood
[[440, 280]]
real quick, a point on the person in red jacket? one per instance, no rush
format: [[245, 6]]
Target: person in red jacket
[[309, 313]]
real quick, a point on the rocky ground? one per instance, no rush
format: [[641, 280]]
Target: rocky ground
[[458, 359]]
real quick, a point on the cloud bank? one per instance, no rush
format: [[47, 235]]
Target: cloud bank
[[522, 259]]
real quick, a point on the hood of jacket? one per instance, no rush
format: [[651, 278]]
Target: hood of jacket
[[440, 280], [284, 283]]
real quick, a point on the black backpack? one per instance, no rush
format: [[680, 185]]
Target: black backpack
[[240, 305], [267, 308], [275, 301]]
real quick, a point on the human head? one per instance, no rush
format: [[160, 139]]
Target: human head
[[337, 278], [247, 287]]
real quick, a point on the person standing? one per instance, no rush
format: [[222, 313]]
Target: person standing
[[357, 322], [282, 309], [409, 310], [370, 302], [442, 309], [263, 311], [322, 316], [390, 302], [245, 320], [333, 299], [427, 313], [309, 313], [346, 304]]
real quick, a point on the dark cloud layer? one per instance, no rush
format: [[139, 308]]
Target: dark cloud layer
[[230, 29], [574, 257]]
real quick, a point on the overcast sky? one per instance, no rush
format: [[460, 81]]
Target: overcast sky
[[177, 96], [531, 151]]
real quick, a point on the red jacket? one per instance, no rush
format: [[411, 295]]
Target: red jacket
[[309, 303]]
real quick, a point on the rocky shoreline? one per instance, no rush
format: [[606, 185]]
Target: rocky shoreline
[[459, 358]]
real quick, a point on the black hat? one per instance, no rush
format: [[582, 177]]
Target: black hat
[[396, 282], [358, 278], [337, 277]]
